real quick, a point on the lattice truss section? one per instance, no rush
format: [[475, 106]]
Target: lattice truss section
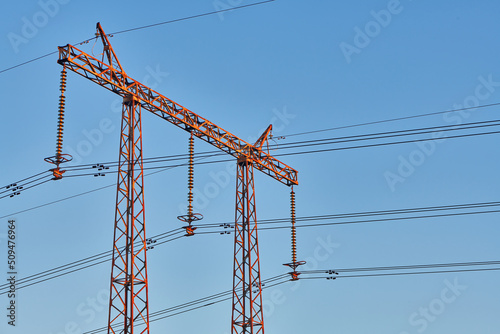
[[128, 307], [128, 311], [118, 82], [247, 290]]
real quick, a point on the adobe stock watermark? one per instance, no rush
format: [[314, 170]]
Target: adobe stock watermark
[[422, 318], [222, 6], [86, 312], [408, 164], [31, 25], [220, 178], [96, 136], [364, 35], [12, 272]]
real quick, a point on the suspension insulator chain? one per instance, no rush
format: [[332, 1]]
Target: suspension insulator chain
[[190, 175], [190, 217], [60, 158], [294, 264], [60, 121], [294, 233]]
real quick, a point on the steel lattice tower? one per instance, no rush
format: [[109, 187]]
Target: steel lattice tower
[[247, 290], [128, 306], [128, 309]]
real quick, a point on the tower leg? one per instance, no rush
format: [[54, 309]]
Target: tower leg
[[247, 290], [128, 305]]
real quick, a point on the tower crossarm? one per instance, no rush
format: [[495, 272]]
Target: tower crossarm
[[116, 80]]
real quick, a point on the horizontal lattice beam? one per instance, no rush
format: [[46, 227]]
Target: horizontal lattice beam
[[117, 81]]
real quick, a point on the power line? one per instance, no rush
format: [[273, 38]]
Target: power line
[[393, 119], [78, 195], [363, 221], [209, 154], [27, 62], [406, 267], [212, 303], [265, 284], [393, 134], [23, 180], [191, 17], [313, 151], [57, 201], [55, 272], [65, 273], [91, 261], [327, 141], [385, 144], [404, 274], [323, 141], [218, 298], [210, 299], [18, 189], [387, 212], [141, 27], [164, 168]]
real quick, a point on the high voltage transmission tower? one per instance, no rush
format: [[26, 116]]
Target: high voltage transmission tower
[[128, 307]]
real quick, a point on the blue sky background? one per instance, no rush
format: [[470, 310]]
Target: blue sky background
[[279, 63]]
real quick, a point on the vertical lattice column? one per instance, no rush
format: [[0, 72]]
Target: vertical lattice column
[[128, 306], [247, 290]]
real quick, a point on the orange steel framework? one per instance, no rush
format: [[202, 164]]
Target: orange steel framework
[[247, 289], [128, 307], [129, 285]]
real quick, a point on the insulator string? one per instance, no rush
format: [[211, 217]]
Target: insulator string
[[60, 122], [190, 217], [294, 235], [190, 175]]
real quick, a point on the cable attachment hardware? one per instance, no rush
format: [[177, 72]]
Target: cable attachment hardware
[[60, 158], [190, 217], [294, 264]]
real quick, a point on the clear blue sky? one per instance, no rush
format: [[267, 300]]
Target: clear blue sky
[[303, 66]]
